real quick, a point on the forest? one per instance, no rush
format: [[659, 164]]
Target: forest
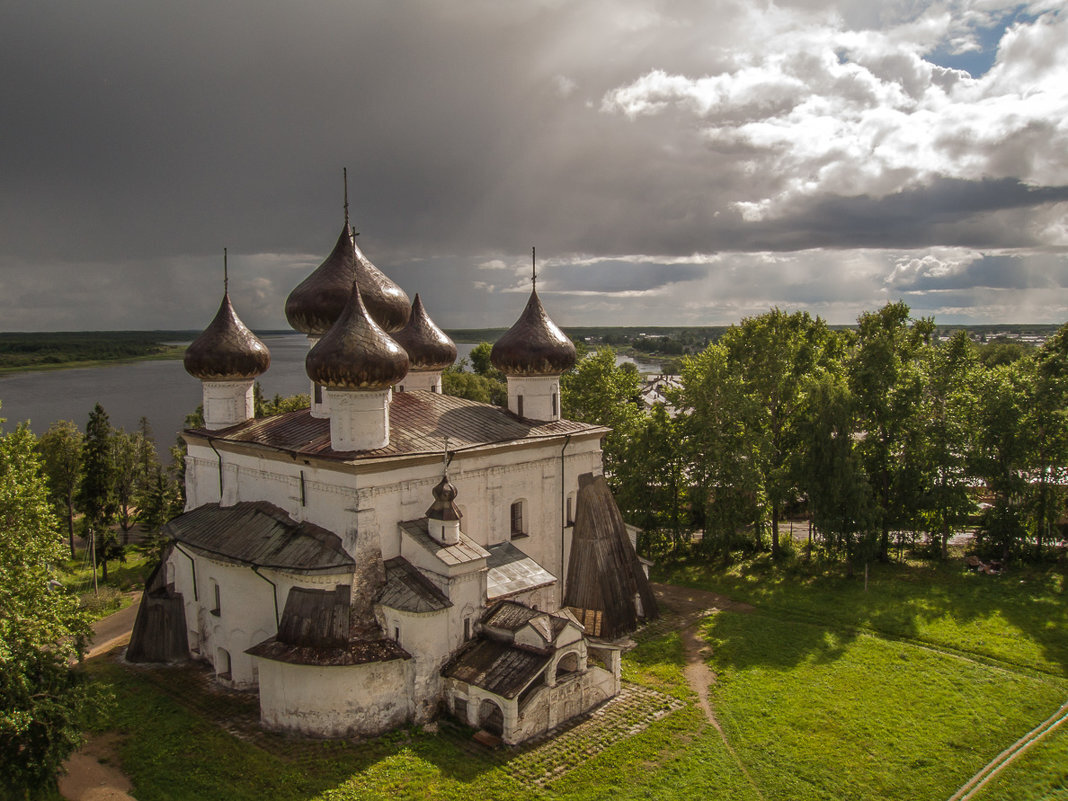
[[874, 437], [20, 351]]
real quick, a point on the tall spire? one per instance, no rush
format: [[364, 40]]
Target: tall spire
[[226, 275], [533, 269], [345, 178]]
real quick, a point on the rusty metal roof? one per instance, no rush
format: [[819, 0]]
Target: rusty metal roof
[[466, 550], [260, 534], [511, 571], [409, 590], [497, 667], [419, 422]]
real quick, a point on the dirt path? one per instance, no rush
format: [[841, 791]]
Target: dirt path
[[692, 607], [1010, 754], [92, 773]]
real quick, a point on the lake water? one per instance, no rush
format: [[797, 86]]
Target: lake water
[[162, 391]]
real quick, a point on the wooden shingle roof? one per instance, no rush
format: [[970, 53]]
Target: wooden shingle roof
[[259, 533], [497, 667], [409, 590], [604, 575]]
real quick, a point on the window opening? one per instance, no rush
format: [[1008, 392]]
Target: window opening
[[517, 519]]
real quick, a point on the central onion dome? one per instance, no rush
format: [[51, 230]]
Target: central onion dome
[[317, 301], [429, 348], [534, 346], [356, 353], [227, 350]]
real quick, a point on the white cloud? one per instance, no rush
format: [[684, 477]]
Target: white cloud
[[822, 110]]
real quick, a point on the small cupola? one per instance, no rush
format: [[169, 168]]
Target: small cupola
[[227, 357], [533, 354], [443, 518], [357, 363], [429, 350], [318, 301]]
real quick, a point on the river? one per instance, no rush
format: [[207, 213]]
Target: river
[[162, 391]]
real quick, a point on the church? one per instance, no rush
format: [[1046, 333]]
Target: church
[[393, 553]]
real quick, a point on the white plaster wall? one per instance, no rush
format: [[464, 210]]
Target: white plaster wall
[[339, 701], [426, 637], [537, 393], [488, 481], [246, 611]]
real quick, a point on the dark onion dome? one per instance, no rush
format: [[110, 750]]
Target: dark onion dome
[[443, 507], [429, 348], [317, 301], [534, 345], [356, 353], [227, 350]]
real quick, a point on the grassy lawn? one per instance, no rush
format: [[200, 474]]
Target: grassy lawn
[[824, 692], [122, 578]]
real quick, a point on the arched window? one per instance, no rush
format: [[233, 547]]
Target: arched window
[[518, 520], [570, 511]]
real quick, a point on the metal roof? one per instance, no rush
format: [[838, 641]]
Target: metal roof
[[511, 571], [466, 550], [419, 422], [409, 590], [355, 652], [317, 618], [260, 534], [497, 667]]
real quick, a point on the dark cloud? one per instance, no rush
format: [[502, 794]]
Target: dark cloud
[[140, 139]]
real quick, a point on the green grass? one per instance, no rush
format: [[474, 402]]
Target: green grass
[[1019, 618], [824, 692], [820, 714]]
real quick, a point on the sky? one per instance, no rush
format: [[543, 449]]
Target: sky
[[675, 163]]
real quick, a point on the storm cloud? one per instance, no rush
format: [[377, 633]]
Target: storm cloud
[[672, 161]]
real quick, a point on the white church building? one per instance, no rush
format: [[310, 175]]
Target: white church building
[[392, 552]]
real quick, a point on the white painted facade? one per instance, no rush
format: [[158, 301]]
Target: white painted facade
[[232, 607]]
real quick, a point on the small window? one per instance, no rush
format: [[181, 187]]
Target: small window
[[467, 629], [556, 412], [518, 529], [519, 405], [396, 633], [400, 387], [570, 510], [318, 393], [218, 606]]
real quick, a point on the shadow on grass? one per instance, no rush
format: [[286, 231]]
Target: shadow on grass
[[1018, 618]]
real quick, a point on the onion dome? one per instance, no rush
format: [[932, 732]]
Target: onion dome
[[356, 353], [227, 350], [534, 346], [317, 301], [429, 348], [443, 507]]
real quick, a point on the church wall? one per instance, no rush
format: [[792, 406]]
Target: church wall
[[488, 482], [246, 611], [335, 701], [426, 636]]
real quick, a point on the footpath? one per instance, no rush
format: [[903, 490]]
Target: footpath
[[90, 774]]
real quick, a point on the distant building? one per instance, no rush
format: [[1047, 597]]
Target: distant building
[[393, 552]]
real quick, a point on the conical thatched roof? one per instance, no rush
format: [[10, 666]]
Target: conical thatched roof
[[604, 576]]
